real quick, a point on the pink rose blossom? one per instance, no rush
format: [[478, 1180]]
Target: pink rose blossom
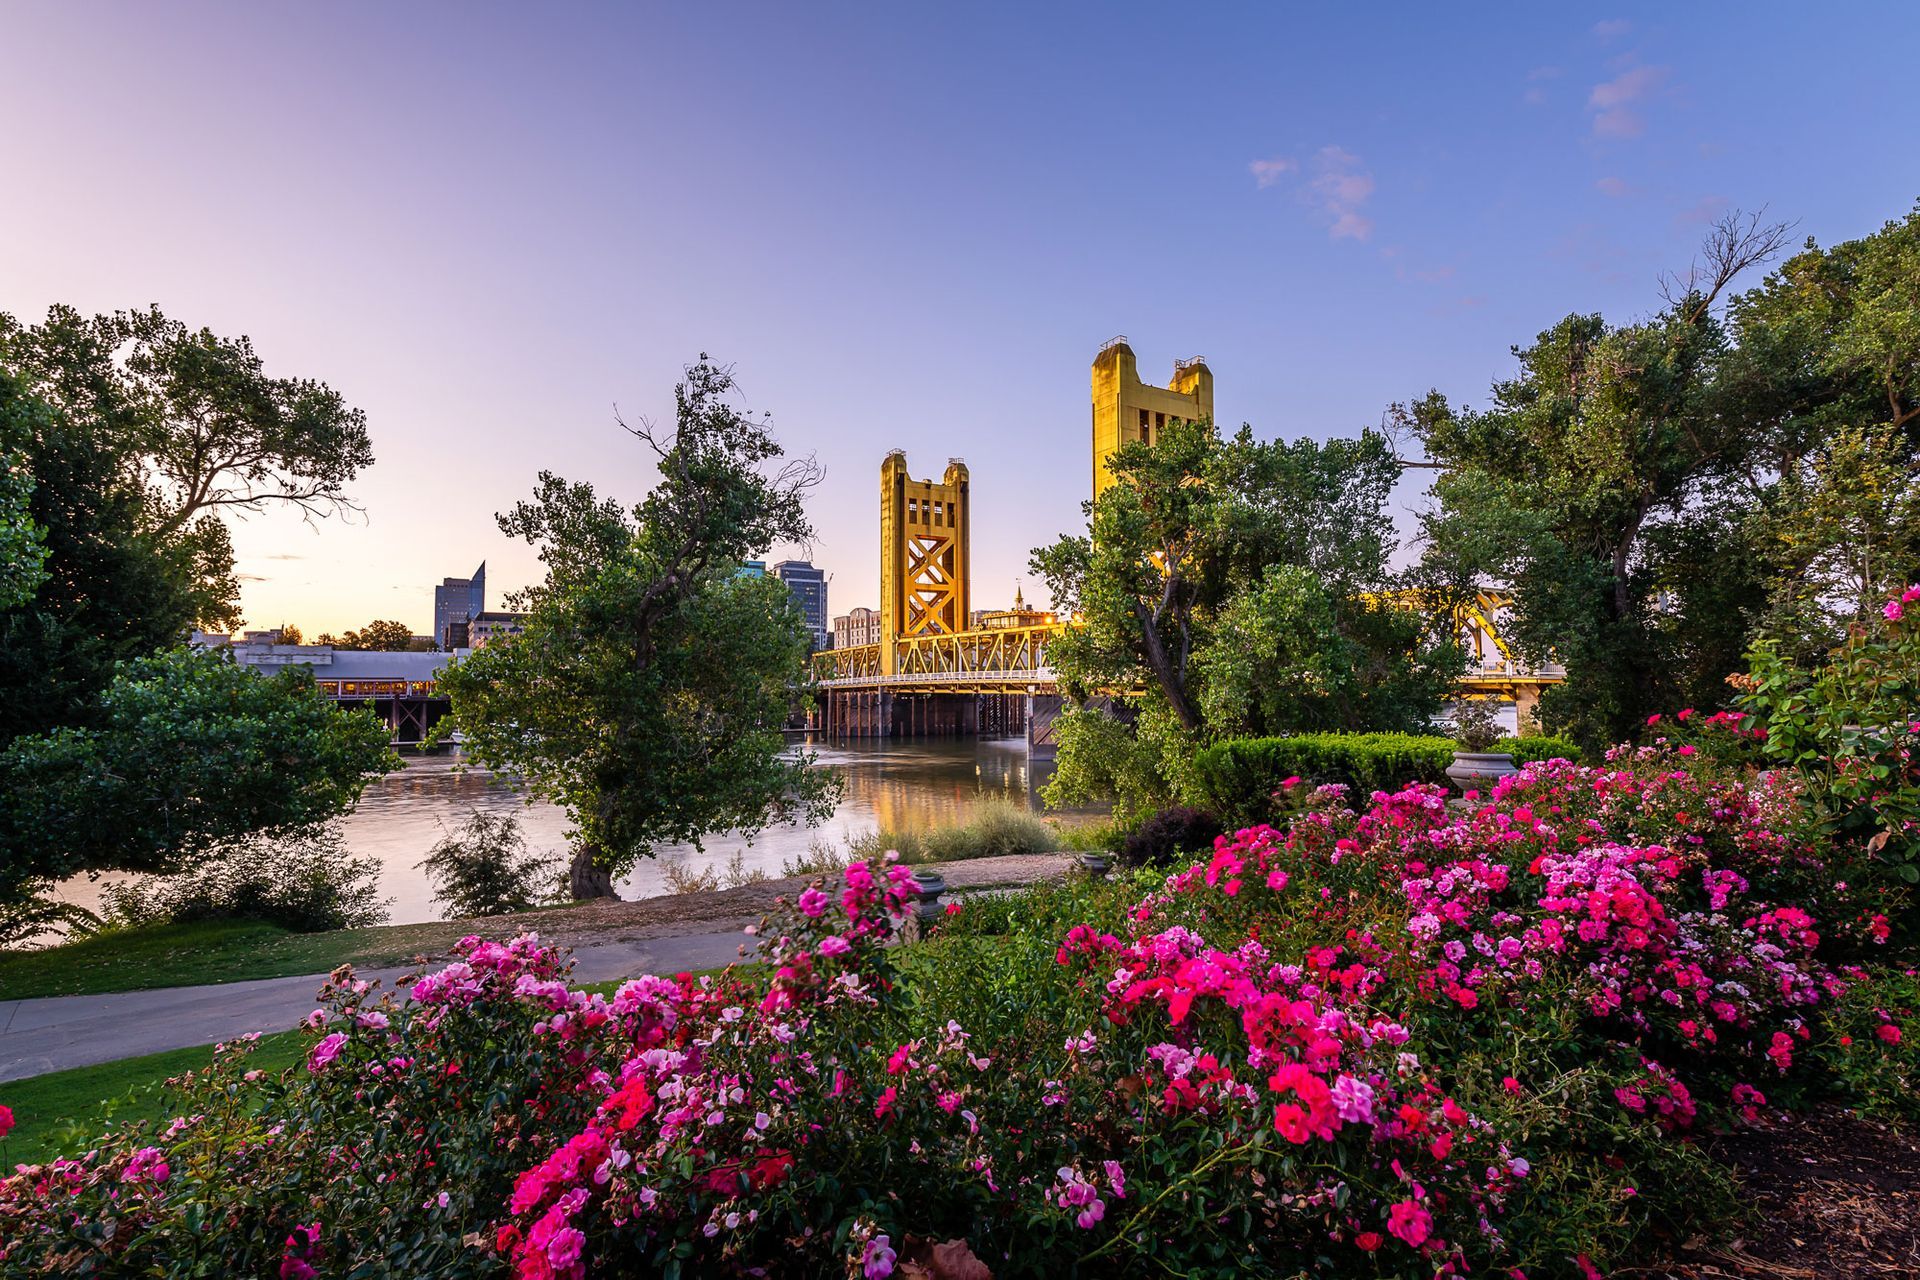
[[1410, 1222]]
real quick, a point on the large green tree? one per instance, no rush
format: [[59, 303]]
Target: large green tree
[[648, 689], [1657, 495], [139, 434], [1233, 586], [188, 751]]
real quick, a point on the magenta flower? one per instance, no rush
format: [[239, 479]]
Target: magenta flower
[[813, 903], [326, 1051], [563, 1250], [876, 1262], [1409, 1221]]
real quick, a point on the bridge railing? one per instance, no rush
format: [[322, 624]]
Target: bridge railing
[[994, 654]]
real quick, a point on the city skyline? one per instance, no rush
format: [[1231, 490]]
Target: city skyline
[[489, 228]]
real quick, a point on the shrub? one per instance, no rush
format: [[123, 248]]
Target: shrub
[[1853, 726], [1167, 835], [1237, 778], [1533, 748], [304, 880], [1084, 836], [482, 868], [996, 828]]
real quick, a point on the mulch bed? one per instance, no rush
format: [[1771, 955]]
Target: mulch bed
[[1834, 1195]]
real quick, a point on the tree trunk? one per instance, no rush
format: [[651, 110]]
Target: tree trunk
[[1162, 665], [585, 880]]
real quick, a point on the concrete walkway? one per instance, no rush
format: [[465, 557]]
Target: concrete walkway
[[58, 1032]]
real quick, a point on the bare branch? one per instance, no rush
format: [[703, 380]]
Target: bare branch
[[1736, 243]]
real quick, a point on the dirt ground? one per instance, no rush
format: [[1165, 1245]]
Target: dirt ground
[[1835, 1195]]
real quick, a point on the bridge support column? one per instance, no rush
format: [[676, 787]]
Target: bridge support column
[[1042, 709], [1526, 709]]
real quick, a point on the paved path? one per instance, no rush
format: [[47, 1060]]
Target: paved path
[[58, 1032]]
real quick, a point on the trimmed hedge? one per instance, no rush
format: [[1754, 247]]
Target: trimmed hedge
[[1237, 778], [1534, 747]]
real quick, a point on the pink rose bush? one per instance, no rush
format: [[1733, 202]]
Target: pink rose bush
[[1406, 1039]]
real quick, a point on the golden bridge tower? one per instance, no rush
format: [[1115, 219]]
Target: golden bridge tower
[[1126, 409], [924, 556]]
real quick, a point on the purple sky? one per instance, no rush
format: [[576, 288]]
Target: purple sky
[[908, 226]]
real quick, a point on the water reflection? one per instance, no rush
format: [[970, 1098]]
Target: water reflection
[[896, 785]]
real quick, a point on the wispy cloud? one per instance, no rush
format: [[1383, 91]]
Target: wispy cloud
[[1267, 172], [1614, 101], [1702, 211], [1612, 28], [1615, 187], [1341, 186], [1536, 84]]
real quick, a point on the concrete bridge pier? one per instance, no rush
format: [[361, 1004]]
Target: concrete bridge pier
[[1042, 710]]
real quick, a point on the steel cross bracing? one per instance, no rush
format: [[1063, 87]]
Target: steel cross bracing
[[1013, 659], [996, 660], [932, 597]]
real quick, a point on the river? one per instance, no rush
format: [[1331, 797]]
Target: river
[[897, 785]]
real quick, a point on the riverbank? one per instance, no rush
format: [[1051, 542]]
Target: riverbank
[[239, 951]]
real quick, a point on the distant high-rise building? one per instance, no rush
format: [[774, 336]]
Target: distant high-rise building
[[754, 569], [808, 586], [458, 600]]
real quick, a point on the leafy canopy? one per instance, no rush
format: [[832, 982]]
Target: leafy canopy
[[1234, 586], [1659, 494], [138, 434], [23, 554], [648, 690], [381, 635], [191, 751]]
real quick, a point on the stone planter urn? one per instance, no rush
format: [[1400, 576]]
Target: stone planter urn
[[928, 885], [1479, 770], [1095, 862]]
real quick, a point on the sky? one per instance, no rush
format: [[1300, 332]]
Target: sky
[[906, 226]]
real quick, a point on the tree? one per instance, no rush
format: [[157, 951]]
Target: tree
[[288, 633], [380, 634], [190, 751], [193, 415], [111, 592], [138, 434], [647, 691], [1594, 485], [1658, 495], [483, 868], [1243, 587], [23, 553], [1828, 363]]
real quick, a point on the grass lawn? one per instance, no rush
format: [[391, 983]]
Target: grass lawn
[[216, 951], [60, 1113]]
